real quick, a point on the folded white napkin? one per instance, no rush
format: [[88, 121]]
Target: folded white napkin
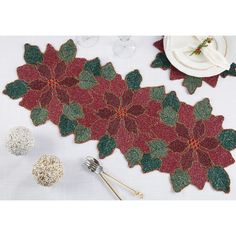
[[212, 56]]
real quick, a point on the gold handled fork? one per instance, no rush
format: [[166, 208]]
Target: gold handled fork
[[94, 166]]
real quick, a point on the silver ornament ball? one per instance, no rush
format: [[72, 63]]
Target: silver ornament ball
[[48, 170], [20, 141]]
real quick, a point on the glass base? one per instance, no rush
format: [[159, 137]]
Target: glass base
[[124, 49], [87, 41]]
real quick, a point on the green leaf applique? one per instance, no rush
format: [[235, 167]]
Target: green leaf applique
[[39, 116], [93, 66], [227, 139], [16, 89], [161, 61], [108, 71], [82, 134], [66, 125], [73, 111], [157, 93], [203, 109], [86, 80], [106, 146], [179, 179], [171, 100], [158, 148], [148, 164], [219, 179], [133, 80], [192, 83], [169, 116], [67, 51], [134, 156], [32, 54], [231, 71]]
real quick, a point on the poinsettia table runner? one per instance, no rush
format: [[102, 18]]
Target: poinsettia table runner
[[190, 82], [151, 128]]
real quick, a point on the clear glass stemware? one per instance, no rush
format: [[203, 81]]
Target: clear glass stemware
[[124, 47], [86, 41]]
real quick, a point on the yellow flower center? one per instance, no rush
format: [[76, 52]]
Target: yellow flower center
[[193, 143], [121, 112], [53, 83]]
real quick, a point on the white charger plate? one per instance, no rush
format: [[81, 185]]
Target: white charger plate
[[200, 67]]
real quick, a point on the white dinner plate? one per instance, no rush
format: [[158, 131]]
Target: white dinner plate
[[196, 65]]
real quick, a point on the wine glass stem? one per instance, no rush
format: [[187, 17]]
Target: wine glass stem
[[124, 39]]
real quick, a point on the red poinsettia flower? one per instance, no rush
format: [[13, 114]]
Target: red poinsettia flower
[[196, 147], [52, 82], [49, 82], [120, 110], [193, 144], [126, 115]]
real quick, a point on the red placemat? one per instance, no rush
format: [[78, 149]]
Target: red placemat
[[190, 82], [151, 128]]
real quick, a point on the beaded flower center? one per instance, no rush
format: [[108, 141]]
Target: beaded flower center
[[194, 143], [121, 112], [53, 83]]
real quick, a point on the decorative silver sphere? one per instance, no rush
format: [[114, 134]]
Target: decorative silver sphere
[[20, 141], [48, 170]]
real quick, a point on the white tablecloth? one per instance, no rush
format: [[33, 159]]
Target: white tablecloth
[[16, 181]]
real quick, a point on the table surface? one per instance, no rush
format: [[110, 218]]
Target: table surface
[[16, 180]]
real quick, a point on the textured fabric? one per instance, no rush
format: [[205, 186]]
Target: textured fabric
[[151, 128]]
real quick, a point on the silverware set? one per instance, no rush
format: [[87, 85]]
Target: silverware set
[[94, 166]]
